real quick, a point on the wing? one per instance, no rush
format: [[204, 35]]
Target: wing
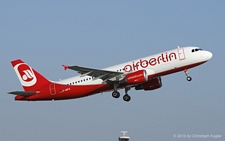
[[105, 75]]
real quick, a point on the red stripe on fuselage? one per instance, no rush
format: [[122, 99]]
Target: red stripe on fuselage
[[76, 91], [175, 70]]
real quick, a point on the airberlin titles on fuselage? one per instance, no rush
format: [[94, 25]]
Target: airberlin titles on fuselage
[[163, 58]]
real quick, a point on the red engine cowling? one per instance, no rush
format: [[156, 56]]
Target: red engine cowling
[[150, 85], [136, 77]]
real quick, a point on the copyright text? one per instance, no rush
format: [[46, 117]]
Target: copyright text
[[197, 136]]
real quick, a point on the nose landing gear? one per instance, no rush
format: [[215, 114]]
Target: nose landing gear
[[188, 77]]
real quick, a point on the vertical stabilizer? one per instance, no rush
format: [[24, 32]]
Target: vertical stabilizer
[[30, 79]]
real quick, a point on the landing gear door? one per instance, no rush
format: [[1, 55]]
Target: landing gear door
[[181, 53], [52, 89]]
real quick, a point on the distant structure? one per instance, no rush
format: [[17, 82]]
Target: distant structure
[[124, 137]]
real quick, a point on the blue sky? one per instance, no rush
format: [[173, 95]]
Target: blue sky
[[99, 34]]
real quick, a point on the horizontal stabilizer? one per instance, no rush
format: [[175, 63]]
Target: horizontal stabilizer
[[22, 93]]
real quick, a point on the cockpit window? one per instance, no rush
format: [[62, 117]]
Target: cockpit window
[[196, 49]]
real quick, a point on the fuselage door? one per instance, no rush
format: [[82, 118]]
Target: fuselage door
[[181, 53], [52, 89]]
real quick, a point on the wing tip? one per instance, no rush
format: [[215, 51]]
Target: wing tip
[[65, 67]]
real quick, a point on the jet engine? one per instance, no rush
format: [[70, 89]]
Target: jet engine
[[152, 84], [137, 77]]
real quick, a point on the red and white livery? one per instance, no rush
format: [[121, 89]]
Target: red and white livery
[[141, 74]]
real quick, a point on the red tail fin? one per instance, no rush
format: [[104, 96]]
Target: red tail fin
[[30, 79]]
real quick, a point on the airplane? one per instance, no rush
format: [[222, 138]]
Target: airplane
[[142, 74]]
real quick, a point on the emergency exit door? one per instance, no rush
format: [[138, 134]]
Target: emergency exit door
[[52, 89], [181, 53]]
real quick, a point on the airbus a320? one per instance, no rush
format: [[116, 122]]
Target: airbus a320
[[142, 74]]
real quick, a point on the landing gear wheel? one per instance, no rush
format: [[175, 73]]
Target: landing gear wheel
[[189, 78], [126, 98], [115, 94]]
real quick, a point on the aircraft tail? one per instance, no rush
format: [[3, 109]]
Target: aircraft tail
[[30, 79]]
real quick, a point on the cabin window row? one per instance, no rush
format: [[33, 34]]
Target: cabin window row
[[79, 81]]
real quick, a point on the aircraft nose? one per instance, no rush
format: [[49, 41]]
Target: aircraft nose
[[209, 55]]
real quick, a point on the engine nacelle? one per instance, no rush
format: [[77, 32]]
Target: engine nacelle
[[150, 85], [137, 77]]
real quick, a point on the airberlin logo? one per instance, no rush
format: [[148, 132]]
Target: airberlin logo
[[163, 58], [28, 75], [25, 74]]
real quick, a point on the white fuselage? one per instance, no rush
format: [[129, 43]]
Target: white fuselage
[[154, 64]]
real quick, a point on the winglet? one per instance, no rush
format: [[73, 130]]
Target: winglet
[[65, 67]]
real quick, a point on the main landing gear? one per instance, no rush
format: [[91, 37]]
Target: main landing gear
[[116, 94], [126, 97], [188, 77]]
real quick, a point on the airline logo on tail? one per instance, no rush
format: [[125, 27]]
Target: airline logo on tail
[[25, 74]]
